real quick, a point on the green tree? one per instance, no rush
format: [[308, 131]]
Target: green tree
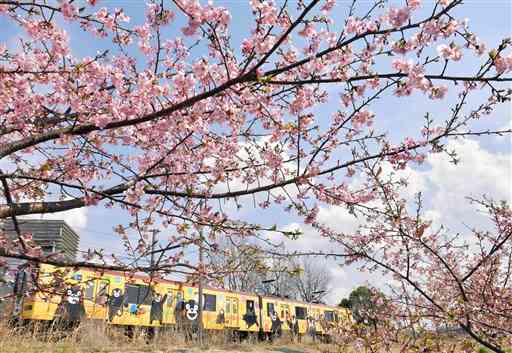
[[362, 303], [345, 303]]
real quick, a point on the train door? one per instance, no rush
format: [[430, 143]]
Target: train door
[[271, 319], [250, 317], [172, 301], [284, 315], [101, 297], [96, 298], [231, 312], [235, 308], [301, 314], [227, 312]]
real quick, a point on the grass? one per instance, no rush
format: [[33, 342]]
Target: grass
[[97, 337]]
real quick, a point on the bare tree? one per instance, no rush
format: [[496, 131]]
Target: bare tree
[[246, 264], [312, 282]]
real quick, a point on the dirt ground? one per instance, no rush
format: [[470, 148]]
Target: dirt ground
[[244, 349], [257, 348]]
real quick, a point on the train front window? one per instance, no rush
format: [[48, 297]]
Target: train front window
[[300, 313], [329, 316]]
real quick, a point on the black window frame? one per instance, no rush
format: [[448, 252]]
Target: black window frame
[[89, 290], [209, 302], [329, 315], [143, 296], [301, 313], [270, 305]]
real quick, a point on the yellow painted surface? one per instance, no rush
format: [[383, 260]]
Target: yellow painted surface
[[98, 287]]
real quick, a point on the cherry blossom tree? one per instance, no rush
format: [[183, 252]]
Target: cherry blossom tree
[[438, 279], [171, 127]]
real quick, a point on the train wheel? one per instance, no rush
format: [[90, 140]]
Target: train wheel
[[128, 331]]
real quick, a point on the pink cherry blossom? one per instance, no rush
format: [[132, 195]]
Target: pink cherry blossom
[[397, 17], [354, 25], [414, 4], [328, 5], [181, 129], [402, 65], [452, 52], [69, 11]]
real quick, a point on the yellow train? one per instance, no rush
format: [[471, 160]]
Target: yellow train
[[135, 300]]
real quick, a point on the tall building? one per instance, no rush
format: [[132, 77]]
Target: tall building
[[50, 235]]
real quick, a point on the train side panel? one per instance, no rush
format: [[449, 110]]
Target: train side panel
[[122, 300]]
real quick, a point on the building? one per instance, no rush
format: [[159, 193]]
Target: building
[[50, 235]]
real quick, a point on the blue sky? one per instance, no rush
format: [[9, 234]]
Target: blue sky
[[487, 160]]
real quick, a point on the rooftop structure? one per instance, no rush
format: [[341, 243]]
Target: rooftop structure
[[50, 235]]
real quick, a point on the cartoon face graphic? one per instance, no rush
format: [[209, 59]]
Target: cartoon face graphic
[[116, 292], [273, 316], [191, 310], [73, 296], [73, 305], [157, 297]]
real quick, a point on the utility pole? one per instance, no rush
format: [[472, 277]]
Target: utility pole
[[153, 243], [200, 301]]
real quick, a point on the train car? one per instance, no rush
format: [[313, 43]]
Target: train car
[[52, 294], [73, 294]]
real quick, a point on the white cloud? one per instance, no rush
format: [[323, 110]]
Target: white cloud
[[341, 284], [479, 172]]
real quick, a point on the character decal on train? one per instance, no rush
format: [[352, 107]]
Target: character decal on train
[[311, 322], [115, 303], [191, 310], [250, 315], [276, 323], [221, 319], [73, 304], [157, 308]]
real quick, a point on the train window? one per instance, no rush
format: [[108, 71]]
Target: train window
[[249, 304], [300, 313], [89, 290], [270, 308], [210, 302], [329, 315], [138, 294], [235, 306]]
